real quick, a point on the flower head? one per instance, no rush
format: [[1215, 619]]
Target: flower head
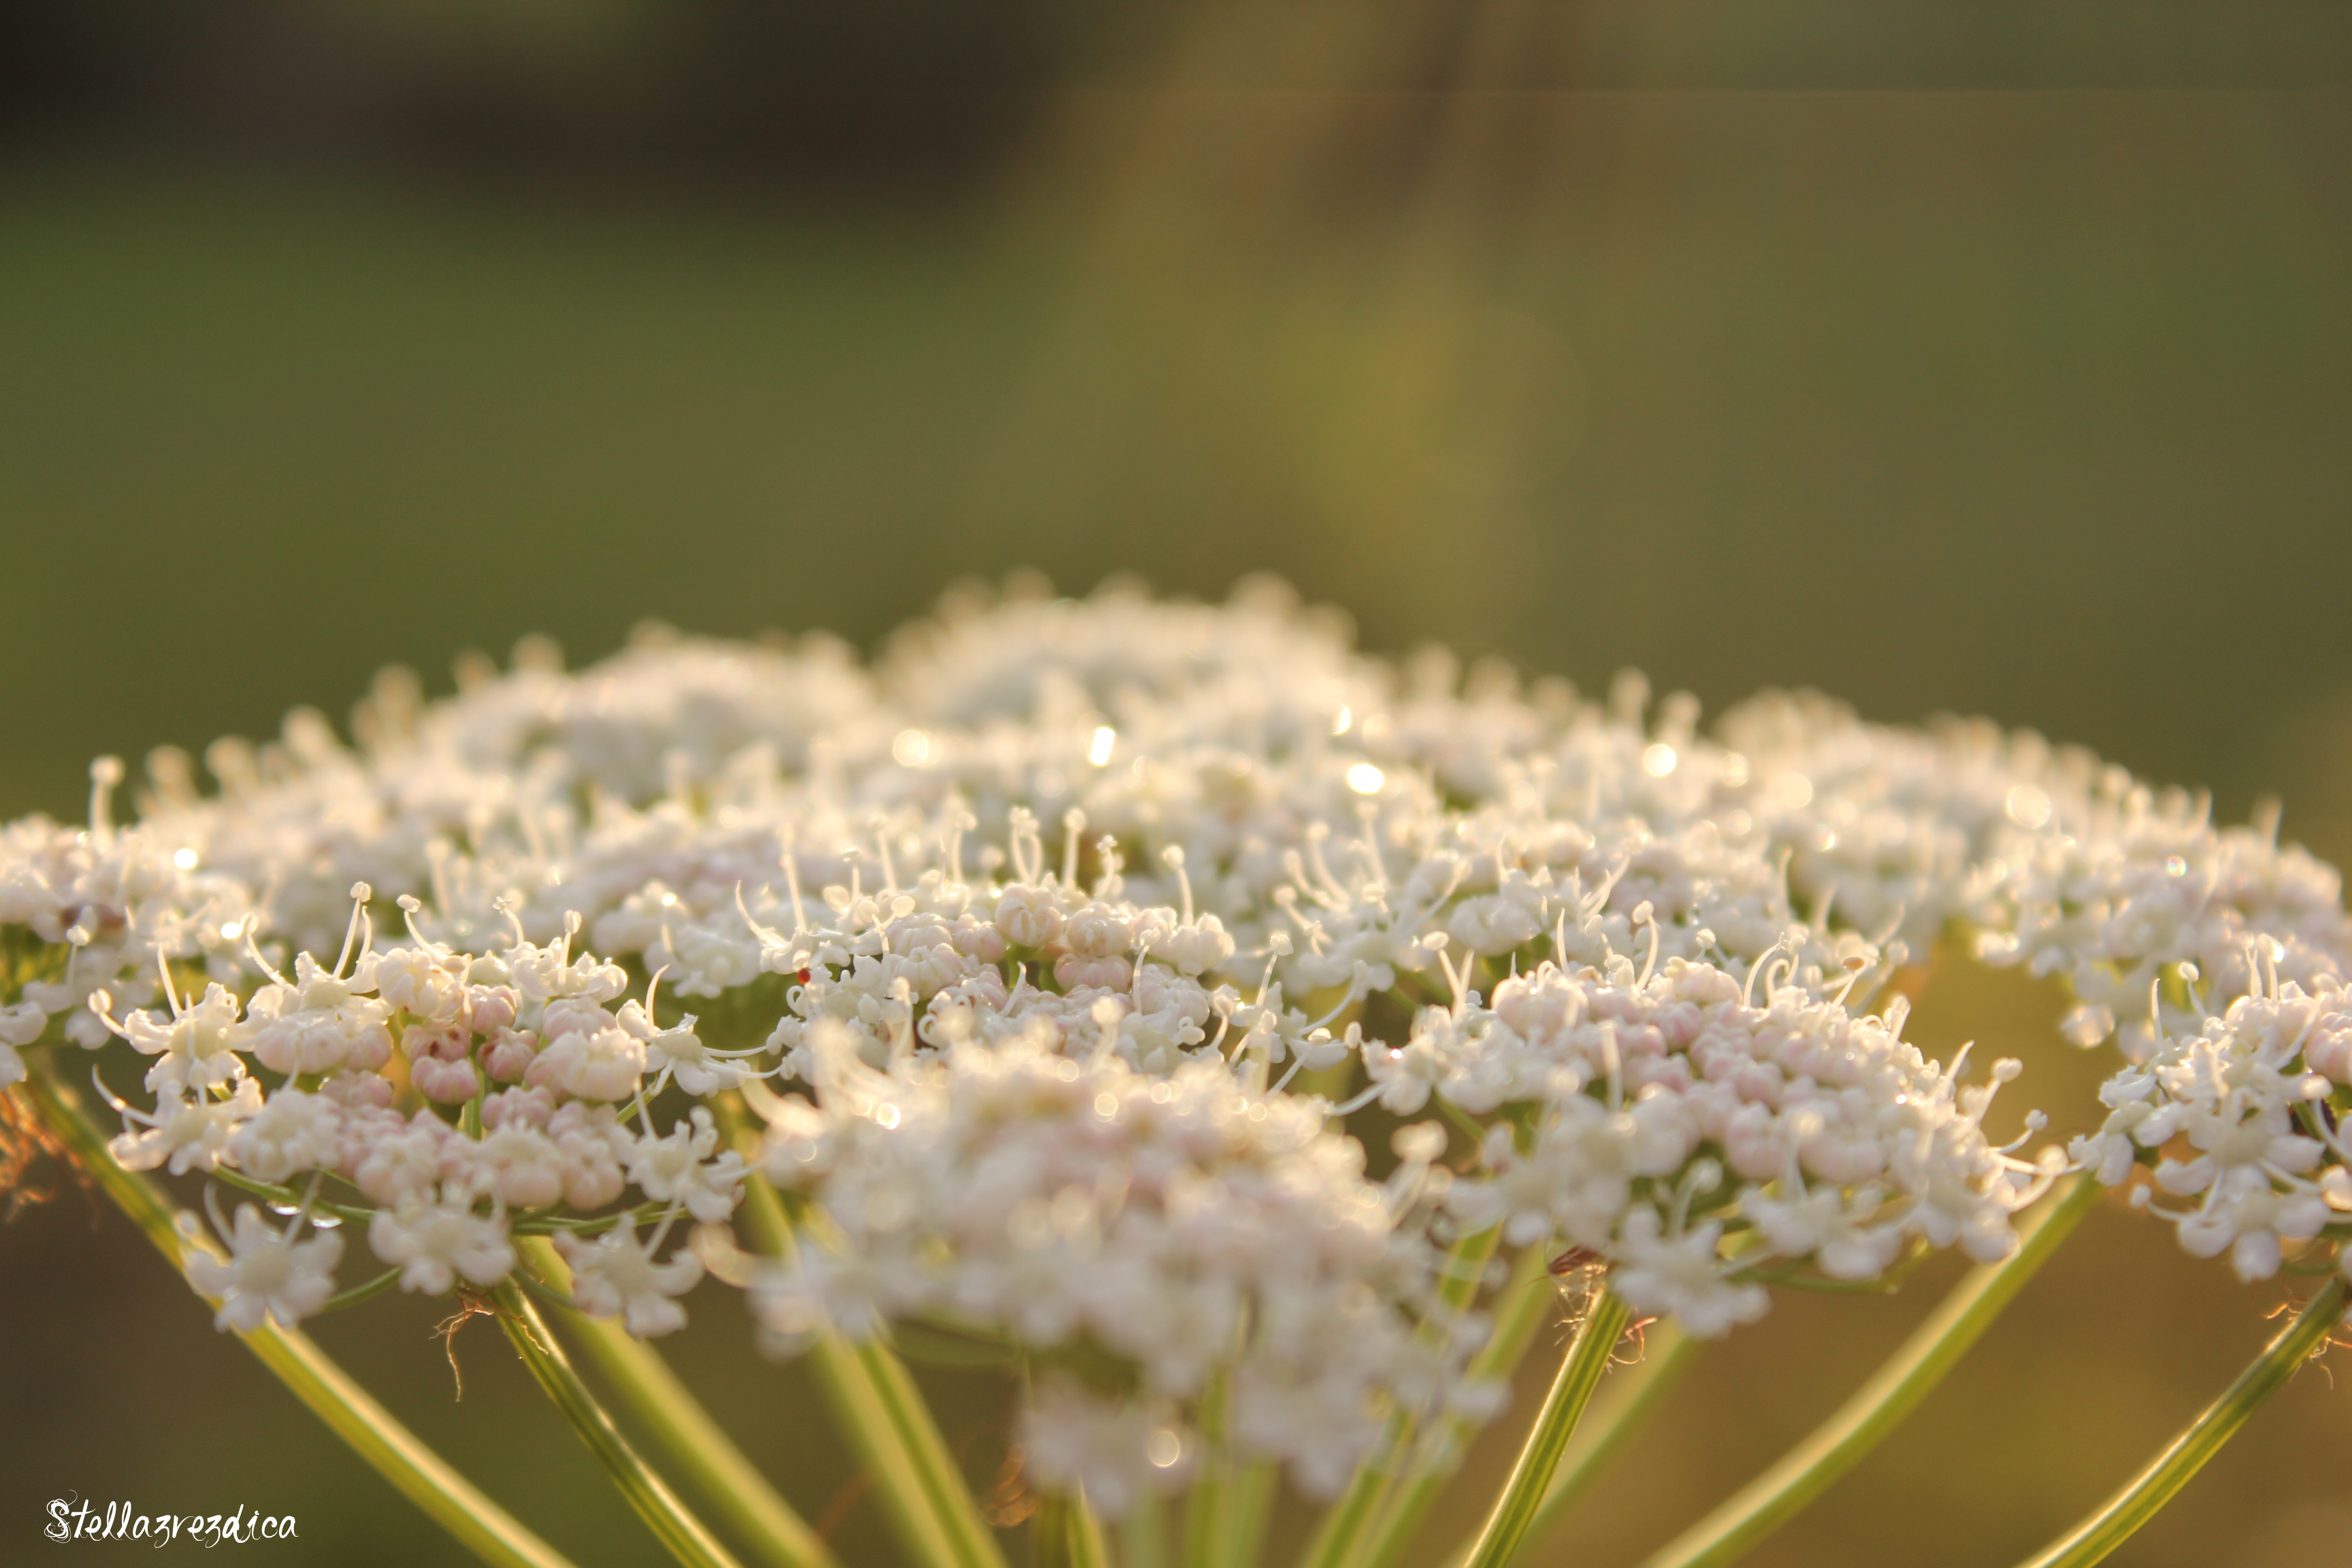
[[1068, 949], [268, 1274]]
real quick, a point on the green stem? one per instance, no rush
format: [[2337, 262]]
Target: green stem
[[684, 1433], [1527, 1303], [924, 1493], [1210, 1503], [1879, 1405], [1226, 1511], [1580, 1373], [1249, 1508], [324, 1388], [1346, 1525], [534, 1225], [935, 1466], [2138, 1501], [1049, 1532], [376, 1436], [1088, 1549], [275, 1192], [359, 1293], [1143, 1534], [685, 1536], [857, 1404], [1065, 1533], [1642, 1388]]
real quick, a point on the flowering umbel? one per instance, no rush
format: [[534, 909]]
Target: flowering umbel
[[1049, 967]]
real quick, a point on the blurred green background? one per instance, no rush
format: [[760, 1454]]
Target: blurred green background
[[1987, 357]]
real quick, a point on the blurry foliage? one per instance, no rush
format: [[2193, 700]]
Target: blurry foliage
[[1986, 357]]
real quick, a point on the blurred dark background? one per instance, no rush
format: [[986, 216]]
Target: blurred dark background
[[1985, 357]]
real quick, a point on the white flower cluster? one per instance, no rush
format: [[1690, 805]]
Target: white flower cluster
[[1174, 1229], [1679, 1111], [522, 1039], [116, 900], [2055, 861], [1616, 978], [2254, 1095]]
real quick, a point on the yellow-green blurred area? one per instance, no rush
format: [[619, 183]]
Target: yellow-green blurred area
[[1983, 357]]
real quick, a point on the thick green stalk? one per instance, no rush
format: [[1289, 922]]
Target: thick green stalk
[[1249, 1508], [1528, 1302], [2137, 1502], [1225, 1510], [1347, 1526], [685, 1537], [935, 1465], [1049, 1532], [1087, 1548], [923, 1492], [421, 1475], [1876, 1408], [1208, 1506], [684, 1433], [1639, 1390], [1065, 1533], [1143, 1534], [1580, 1373], [324, 1388]]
